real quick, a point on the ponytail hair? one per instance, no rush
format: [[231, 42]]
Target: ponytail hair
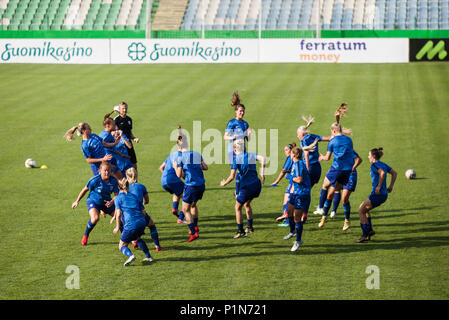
[[123, 185], [337, 127], [305, 129], [235, 101], [377, 153], [182, 139], [80, 128], [341, 111], [291, 145], [311, 146], [131, 175]]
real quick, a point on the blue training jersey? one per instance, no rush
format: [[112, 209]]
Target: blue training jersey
[[288, 167], [299, 169], [190, 161], [138, 190], [93, 148], [122, 163], [341, 147], [236, 127], [107, 137], [131, 208], [375, 176], [100, 190], [314, 154], [169, 174], [245, 163]]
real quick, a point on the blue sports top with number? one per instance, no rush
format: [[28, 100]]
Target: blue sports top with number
[[341, 147], [236, 127], [131, 208], [299, 169], [245, 163], [169, 174], [101, 190], [190, 161], [93, 148], [307, 141], [138, 190], [375, 176], [288, 163]]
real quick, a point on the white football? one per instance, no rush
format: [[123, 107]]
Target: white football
[[30, 163], [410, 174], [116, 108]]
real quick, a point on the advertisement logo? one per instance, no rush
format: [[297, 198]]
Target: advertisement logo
[[137, 51], [429, 50]]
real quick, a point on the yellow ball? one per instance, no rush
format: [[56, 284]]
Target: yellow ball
[[44, 166]]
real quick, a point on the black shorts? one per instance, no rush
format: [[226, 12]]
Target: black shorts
[[132, 154]]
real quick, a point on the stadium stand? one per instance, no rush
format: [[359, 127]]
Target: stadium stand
[[224, 14]]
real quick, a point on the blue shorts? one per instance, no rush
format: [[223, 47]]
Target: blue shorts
[[176, 188], [340, 176], [289, 187], [300, 202], [315, 173], [249, 192], [352, 182], [102, 207], [193, 193], [133, 234], [377, 199]]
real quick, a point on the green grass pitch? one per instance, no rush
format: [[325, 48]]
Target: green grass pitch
[[401, 107]]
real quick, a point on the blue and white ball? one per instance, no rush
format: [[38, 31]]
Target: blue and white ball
[[410, 174], [30, 163]]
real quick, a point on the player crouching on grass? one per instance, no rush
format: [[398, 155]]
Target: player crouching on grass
[[130, 211], [379, 192], [250, 185]]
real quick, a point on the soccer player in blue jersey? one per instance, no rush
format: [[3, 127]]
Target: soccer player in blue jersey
[[236, 129], [140, 191], [299, 201], [99, 199], [190, 165], [123, 160], [347, 190], [341, 147], [285, 172], [129, 210], [379, 193], [92, 146], [250, 185], [172, 184]]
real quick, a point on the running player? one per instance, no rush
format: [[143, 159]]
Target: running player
[[99, 199], [379, 193], [299, 202], [191, 166], [341, 147], [121, 152], [129, 210], [250, 185]]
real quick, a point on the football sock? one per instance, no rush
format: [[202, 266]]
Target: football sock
[[365, 229], [327, 205], [285, 208], [142, 245], [291, 223], [89, 228], [126, 251], [192, 228], [154, 235], [240, 227], [250, 223], [299, 228], [370, 226], [347, 209], [181, 215], [323, 196], [337, 198], [175, 205], [195, 222]]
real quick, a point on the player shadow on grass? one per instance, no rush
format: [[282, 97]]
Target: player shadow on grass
[[207, 189]]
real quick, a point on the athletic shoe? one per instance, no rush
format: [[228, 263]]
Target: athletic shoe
[[159, 249], [332, 214], [84, 240], [282, 217], [134, 244], [103, 214], [179, 221], [319, 211], [289, 235], [130, 259], [322, 222], [362, 239], [249, 230], [196, 229], [284, 224], [346, 225], [240, 234], [150, 259], [193, 237], [175, 212], [296, 245]]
